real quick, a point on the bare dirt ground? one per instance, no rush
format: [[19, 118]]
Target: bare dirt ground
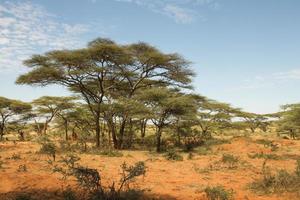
[[164, 179]]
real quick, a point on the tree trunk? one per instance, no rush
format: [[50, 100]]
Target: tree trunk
[[97, 120], [74, 134], [1, 132], [131, 133], [66, 129], [112, 130], [143, 127], [45, 127], [158, 139], [21, 133], [121, 132]]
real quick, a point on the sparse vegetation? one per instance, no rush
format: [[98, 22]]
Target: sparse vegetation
[[15, 156], [171, 154], [49, 149], [22, 168], [134, 97], [262, 155], [230, 160], [218, 193], [282, 181]]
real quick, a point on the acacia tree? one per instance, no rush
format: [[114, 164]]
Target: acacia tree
[[104, 69], [214, 116], [254, 121], [289, 121], [47, 107], [165, 105], [11, 110]]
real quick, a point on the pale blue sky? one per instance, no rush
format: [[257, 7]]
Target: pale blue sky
[[245, 52]]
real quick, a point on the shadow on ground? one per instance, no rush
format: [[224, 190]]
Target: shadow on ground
[[59, 195]]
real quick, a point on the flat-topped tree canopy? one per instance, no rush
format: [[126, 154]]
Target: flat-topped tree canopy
[[11, 109], [105, 70]]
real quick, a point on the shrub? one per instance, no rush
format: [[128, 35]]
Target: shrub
[[49, 149], [68, 163], [173, 155], [268, 144], [190, 156], [204, 151], [15, 156], [108, 153], [22, 168], [87, 177], [23, 197], [264, 156], [282, 181], [68, 194], [218, 193], [214, 141], [90, 179], [297, 171], [230, 160], [129, 173]]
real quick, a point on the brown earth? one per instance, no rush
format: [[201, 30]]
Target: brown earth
[[164, 179]]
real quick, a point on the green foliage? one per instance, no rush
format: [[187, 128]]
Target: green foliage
[[49, 149], [171, 154], [262, 155], [289, 122], [218, 193], [268, 144], [11, 111], [87, 177], [129, 173], [203, 150], [107, 152], [280, 182], [230, 160], [215, 141], [298, 168], [90, 179]]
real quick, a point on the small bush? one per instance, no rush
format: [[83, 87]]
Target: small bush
[[49, 149], [15, 156], [173, 155], [190, 156], [87, 177], [262, 155], [23, 197], [214, 141], [108, 153], [280, 182], [22, 168], [268, 144], [67, 165], [218, 193], [204, 151], [69, 194], [90, 179], [297, 171], [230, 160]]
